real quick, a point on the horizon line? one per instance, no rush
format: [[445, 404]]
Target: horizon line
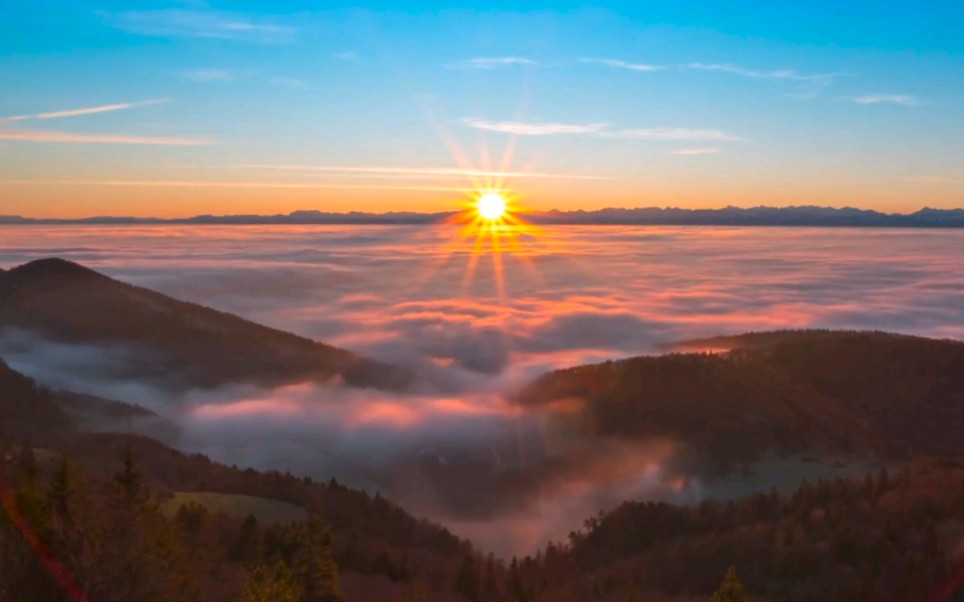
[[780, 215]]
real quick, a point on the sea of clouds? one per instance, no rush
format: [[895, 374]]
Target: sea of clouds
[[476, 325]]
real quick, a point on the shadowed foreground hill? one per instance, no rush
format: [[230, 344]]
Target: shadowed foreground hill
[[180, 345], [96, 514], [96, 520], [790, 391], [26, 408], [31, 412], [893, 536]]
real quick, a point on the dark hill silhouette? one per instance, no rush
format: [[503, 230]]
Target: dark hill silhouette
[[891, 536], [791, 391], [26, 408], [32, 412], [180, 344], [381, 550]]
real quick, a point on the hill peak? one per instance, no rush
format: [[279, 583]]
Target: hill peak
[[47, 272], [51, 266]]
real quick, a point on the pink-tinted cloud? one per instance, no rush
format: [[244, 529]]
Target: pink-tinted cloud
[[77, 138], [400, 294]]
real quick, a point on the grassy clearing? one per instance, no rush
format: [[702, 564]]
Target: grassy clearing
[[265, 510]]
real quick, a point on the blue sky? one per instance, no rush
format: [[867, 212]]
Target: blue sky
[[178, 108]]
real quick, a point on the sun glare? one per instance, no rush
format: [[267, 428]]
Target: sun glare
[[491, 206]]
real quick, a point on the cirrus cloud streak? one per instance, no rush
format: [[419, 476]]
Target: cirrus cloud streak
[[78, 138]]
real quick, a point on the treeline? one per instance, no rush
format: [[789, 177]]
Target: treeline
[[73, 529], [370, 517], [70, 533], [65, 536], [790, 391], [888, 537]]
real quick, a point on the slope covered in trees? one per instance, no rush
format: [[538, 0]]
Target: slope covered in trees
[[90, 524], [790, 391], [173, 343], [26, 408], [888, 537], [32, 412]]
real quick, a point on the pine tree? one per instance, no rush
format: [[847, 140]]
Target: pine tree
[[467, 582], [315, 565], [131, 481], [24, 524], [731, 589], [490, 586], [274, 583], [516, 587], [247, 546], [137, 541]]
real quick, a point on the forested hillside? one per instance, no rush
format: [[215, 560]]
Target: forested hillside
[[107, 517], [170, 343], [85, 523], [891, 536], [790, 391]]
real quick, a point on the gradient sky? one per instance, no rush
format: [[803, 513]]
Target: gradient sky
[[178, 108]]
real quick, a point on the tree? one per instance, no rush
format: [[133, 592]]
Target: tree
[[190, 519], [315, 566], [274, 583], [516, 586], [247, 545], [135, 565], [490, 586], [731, 589], [467, 582]]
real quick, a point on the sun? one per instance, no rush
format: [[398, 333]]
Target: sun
[[491, 206]]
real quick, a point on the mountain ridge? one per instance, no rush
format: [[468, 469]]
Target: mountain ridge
[[799, 215], [795, 391], [185, 343]]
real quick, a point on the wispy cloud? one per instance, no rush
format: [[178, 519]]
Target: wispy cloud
[[773, 74], [671, 134], [84, 111], [348, 55], [494, 62], [292, 83], [230, 184], [622, 64], [696, 151], [808, 84], [70, 137], [210, 75], [534, 129], [897, 99], [410, 172], [598, 129], [200, 24]]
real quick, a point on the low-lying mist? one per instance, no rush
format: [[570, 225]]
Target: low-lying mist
[[454, 447]]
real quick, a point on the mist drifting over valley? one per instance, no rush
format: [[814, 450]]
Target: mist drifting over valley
[[453, 445]]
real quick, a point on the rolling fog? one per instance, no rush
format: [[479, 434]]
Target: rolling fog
[[415, 296]]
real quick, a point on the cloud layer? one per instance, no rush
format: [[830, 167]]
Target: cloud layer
[[403, 294], [602, 130]]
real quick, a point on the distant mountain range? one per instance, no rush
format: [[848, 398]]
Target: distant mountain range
[[667, 216], [170, 343]]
